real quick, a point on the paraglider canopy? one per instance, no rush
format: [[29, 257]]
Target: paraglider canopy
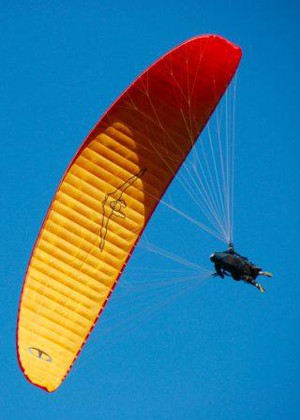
[[106, 198]]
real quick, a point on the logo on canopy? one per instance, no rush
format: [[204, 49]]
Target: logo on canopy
[[114, 205], [39, 354]]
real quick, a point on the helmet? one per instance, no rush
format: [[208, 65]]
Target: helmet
[[213, 257]]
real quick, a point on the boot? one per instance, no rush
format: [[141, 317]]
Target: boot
[[260, 288], [265, 273]]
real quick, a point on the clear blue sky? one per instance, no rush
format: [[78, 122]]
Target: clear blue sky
[[224, 351]]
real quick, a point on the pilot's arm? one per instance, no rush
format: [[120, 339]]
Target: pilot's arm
[[219, 271]]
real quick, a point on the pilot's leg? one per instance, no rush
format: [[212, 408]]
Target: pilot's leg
[[265, 273], [250, 280]]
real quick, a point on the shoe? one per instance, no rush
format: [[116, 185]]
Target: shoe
[[260, 288], [268, 274], [265, 273]]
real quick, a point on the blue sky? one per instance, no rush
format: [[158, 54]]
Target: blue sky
[[222, 351]]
